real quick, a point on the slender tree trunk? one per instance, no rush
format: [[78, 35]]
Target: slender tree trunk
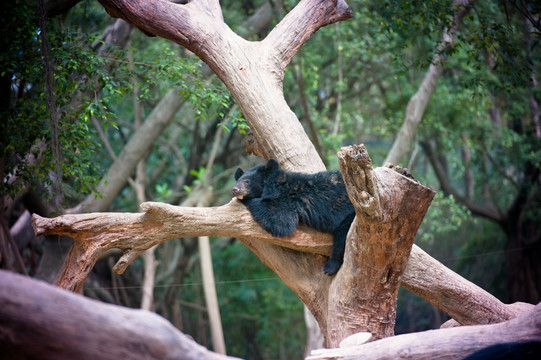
[[418, 102], [211, 298], [149, 257]]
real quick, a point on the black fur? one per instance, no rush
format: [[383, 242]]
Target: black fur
[[509, 351], [279, 200]]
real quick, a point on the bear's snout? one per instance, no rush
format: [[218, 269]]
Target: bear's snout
[[237, 192]]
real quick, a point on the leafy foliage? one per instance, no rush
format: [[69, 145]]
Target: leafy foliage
[[26, 128]]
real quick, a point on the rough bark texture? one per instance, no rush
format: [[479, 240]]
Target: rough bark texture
[[389, 209], [459, 298], [60, 325], [95, 233], [424, 275], [252, 71]]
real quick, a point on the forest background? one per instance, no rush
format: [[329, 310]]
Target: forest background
[[77, 85]]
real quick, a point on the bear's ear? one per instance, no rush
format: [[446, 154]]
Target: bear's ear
[[272, 165], [238, 173]]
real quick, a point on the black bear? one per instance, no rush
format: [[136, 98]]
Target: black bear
[[278, 200]]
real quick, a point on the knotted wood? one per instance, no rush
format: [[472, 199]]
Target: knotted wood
[[389, 208]]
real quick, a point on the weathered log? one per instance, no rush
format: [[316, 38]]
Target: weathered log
[[424, 275], [253, 72], [443, 344], [40, 321]]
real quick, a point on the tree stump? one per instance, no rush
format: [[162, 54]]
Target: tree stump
[[390, 206]]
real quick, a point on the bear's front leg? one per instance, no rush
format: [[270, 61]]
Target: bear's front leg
[[273, 216]]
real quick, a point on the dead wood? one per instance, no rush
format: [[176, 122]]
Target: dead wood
[[390, 205], [134, 233], [389, 209], [443, 344], [40, 321]]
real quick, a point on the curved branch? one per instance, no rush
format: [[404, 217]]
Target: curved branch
[[459, 298], [301, 23], [133, 233], [163, 18], [448, 188], [453, 343]]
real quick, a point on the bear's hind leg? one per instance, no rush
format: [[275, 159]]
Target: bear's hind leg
[[334, 263]]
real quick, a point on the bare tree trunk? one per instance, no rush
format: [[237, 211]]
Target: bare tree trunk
[[418, 102], [149, 258], [314, 336], [211, 298], [136, 232], [207, 270]]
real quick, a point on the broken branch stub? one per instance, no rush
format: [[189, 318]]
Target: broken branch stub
[[389, 208]]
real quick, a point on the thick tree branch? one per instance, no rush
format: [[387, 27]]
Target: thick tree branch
[[301, 23], [95, 233], [252, 71], [459, 298], [134, 233], [61, 325]]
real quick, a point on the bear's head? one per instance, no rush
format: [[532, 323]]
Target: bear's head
[[250, 184]]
